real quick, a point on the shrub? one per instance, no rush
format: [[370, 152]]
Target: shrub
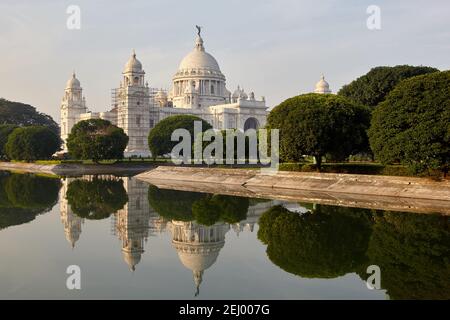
[[32, 143], [159, 138], [96, 139]]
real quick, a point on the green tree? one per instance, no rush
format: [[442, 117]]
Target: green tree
[[372, 88], [21, 114], [32, 143], [159, 138], [5, 131], [173, 204], [96, 139], [325, 243], [319, 124], [96, 199], [413, 253], [412, 125]]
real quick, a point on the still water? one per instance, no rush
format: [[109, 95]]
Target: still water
[[132, 240]]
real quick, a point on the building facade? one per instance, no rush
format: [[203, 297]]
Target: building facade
[[198, 88]]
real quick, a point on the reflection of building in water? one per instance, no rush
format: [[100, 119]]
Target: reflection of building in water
[[72, 222], [132, 222], [198, 246], [136, 222]]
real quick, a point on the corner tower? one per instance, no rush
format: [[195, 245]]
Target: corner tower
[[132, 100], [73, 104]]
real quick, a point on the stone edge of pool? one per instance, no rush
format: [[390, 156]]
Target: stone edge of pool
[[365, 191]]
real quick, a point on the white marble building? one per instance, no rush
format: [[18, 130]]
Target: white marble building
[[198, 88]]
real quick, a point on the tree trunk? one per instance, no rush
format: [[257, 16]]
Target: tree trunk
[[318, 161]]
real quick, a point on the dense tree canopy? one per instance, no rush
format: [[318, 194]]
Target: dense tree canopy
[[32, 143], [372, 88], [413, 124], [324, 243], [5, 131], [24, 196], [159, 138], [319, 124], [96, 139], [21, 114], [96, 199], [413, 253]]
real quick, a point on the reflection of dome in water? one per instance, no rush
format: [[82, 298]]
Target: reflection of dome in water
[[198, 246], [132, 258], [198, 257]]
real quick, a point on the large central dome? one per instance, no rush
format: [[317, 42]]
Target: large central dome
[[199, 59]]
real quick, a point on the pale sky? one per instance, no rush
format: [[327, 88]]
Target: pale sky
[[277, 49]]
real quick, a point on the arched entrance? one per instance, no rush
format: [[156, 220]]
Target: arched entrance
[[251, 123]]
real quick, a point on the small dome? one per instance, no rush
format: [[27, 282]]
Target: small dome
[[199, 59], [133, 64], [237, 92], [243, 95], [73, 83], [322, 86]]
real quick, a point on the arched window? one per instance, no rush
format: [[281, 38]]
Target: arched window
[[251, 123], [136, 80], [212, 89]]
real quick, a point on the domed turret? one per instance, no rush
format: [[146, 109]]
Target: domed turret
[[133, 64], [322, 86], [73, 82]]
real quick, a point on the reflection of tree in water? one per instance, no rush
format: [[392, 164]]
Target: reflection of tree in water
[[325, 243], [413, 252], [214, 208], [24, 196], [96, 198], [206, 209], [172, 204]]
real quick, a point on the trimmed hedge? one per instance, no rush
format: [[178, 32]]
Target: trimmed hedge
[[351, 168]]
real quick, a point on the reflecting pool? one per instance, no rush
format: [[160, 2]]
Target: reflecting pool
[[132, 240]]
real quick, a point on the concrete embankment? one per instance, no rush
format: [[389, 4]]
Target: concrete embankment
[[76, 169], [364, 191]]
